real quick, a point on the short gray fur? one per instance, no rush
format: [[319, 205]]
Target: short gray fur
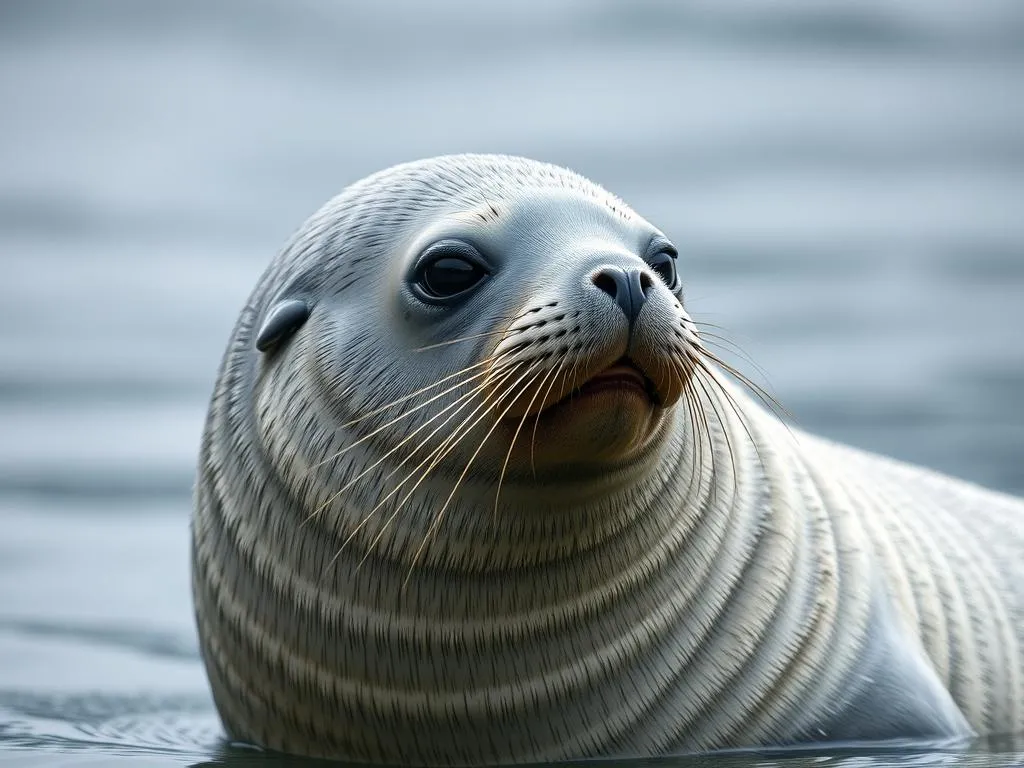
[[731, 582]]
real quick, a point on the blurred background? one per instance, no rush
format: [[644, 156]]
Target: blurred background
[[845, 181]]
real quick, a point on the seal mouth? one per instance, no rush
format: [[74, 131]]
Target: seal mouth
[[622, 375]]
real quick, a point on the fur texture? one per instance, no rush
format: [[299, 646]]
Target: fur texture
[[707, 578]]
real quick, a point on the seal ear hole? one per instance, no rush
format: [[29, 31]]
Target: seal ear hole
[[283, 320]]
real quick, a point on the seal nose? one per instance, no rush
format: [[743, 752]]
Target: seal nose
[[629, 288]]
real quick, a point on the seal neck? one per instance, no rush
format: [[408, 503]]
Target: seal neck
[[617, 515]]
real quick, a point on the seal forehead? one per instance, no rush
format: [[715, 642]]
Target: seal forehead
[[540, 221], [480, 183], [567, 209]]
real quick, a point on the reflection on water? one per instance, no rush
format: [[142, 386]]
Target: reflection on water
[[185, 732], [846, 180]]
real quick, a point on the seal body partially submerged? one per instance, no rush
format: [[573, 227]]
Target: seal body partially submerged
[[472, 490]]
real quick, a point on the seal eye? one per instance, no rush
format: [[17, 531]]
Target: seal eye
[[448, 276], [448, 269], [664, 263]]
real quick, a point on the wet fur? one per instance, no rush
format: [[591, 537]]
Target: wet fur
[[733, 583]]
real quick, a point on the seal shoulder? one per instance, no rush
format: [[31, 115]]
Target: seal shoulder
[[951, 556]]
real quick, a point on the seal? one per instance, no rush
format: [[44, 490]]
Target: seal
[[474, 489]]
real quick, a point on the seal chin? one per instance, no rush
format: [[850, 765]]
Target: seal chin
[[608, 418]]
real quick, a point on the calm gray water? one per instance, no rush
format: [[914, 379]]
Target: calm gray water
[[846, 180]]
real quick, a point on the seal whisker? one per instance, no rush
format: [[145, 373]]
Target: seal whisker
[[727, 345], [665, 372], [487, 334], [697, 436], [515, 436], [404, 415], [573, 386], [698, 419], [440, 515], [708, 325], [765, 397], [536, 420], [724, 427], [463, 398], [696, 441], [398, 467], [708, 375], [500, 332], [436, 456], [421, 390], [730, 400]]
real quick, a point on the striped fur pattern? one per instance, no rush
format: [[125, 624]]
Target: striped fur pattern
[[360, 594]]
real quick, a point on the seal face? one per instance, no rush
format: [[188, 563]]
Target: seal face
[[473, 490]]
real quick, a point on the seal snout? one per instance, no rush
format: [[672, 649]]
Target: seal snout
[[628, 288]]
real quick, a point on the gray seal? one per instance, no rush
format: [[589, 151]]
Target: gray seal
[[473, 490]]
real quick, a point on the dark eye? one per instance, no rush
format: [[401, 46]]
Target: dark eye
[[664, 263], [448, 269]]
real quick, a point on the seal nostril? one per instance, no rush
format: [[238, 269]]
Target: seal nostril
[[623, 287], [607, 283], [646, 283]]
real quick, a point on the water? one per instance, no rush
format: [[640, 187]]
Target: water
[[846, 181]]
